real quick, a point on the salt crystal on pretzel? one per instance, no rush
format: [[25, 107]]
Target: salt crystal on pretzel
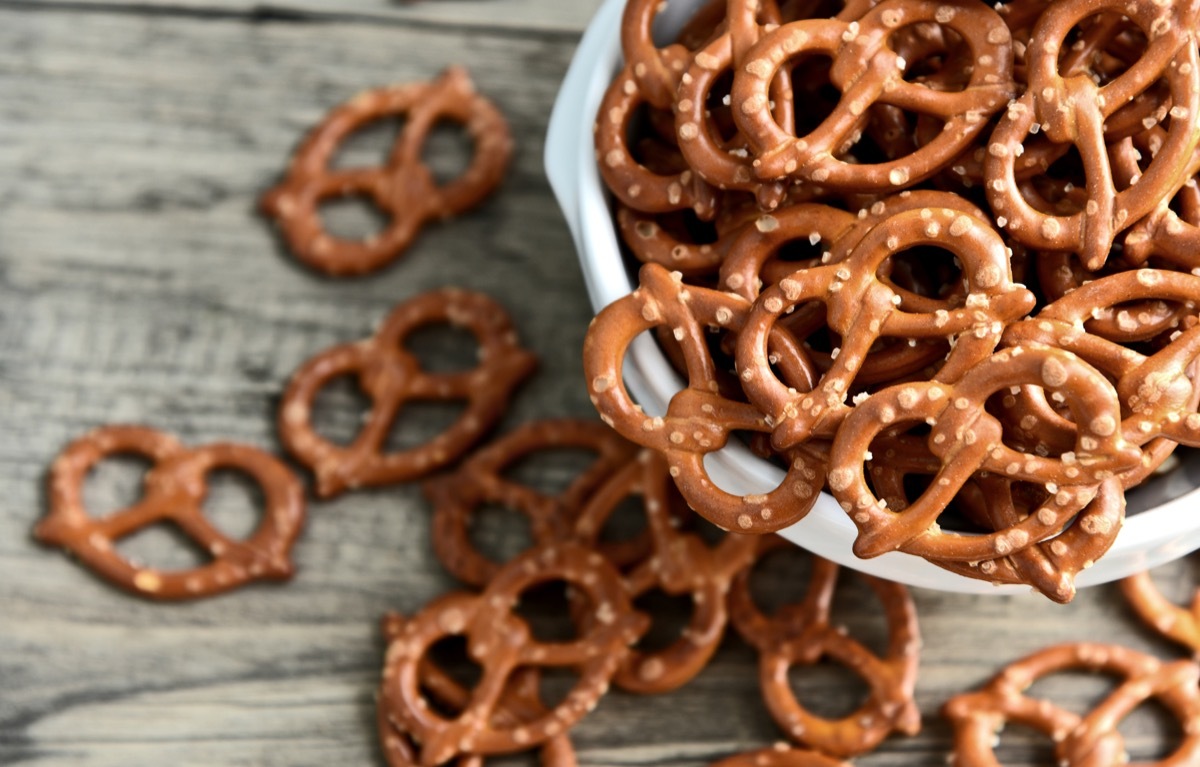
[[403, 189]]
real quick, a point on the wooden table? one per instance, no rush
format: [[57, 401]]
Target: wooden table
[[137, 284]]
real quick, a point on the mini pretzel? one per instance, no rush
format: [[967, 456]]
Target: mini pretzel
[[868, 72], [861, 308], [780, 755], [698, 420], [1049, 564], [1090, 739], [680, 563], [802, 633], [520, 702], [174, 492], [967, 439], [481, 480], [502, 643], [392, 377], [651, 241], [1179, 624], [403, 189], [1073, 109]]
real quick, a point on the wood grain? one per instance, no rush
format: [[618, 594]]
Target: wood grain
[[138, 284]]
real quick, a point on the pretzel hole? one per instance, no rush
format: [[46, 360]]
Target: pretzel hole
[[827, 689], [927, 271], [234, 503], [552, 470], [548, 608], [449, 655], [1110, 54], [371, 145], [499, 533], [1077, 690], [670, 615], [443, 348], [1021, 744], [447, 151], [117, 482], [353, 217], [625, 529], [1151, 732], [339, 408], [779, 577], [555, 684], [815, 94], [421, 422], [935, 55], [162, 546]]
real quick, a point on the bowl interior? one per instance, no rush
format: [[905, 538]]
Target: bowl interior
[[1159, 526]]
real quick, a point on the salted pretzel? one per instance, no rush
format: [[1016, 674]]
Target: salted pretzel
[[481, 480], [393, 378], [403, 189], [1178, 623], [802, 633], [520, 702], [967, 439], [1088, 739], [632, 181], [1074, 109], [1089, 526], [780, 755], [1169, 234], [173, 492], [867, 71], [861, 308], [652, 239], [679, 563], [698, 420], [502, 643]]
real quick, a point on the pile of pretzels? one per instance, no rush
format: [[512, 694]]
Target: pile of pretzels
[[941, 259]]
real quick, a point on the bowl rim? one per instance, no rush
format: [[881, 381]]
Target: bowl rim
[[1145, 540]]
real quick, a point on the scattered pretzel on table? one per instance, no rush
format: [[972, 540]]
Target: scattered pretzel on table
[[1088, 739], [1178, 623], [404, 189], [393, 378], [174, 492]]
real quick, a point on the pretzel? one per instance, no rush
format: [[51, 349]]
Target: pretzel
[[174, 491], [861, 308], [651, 239], [1179, 624], [392, 377], [520, 701], [632, 182], [869, 72], [801, 633], [698, 420], [966, 438], [680, 563], [780, 755], [1073, 109], [1048, 564], [480, 479], [1090, 739], [403, 189], [501, 642]]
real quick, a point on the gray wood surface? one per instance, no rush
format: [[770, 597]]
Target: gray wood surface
[[137, 284]]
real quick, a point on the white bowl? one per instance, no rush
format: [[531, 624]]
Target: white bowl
[[1162, 529]]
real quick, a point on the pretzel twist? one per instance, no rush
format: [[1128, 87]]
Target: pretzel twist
[[403, 188], [967, 439], [698, 420], [392, 377], [868, 71], [480, 480], [503, 644], [802, 633], [1078, 740], [174, 491]]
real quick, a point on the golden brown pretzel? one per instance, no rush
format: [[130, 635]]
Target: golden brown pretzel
[[403, 189], [966, 438], [1090, 739], [679, 563], [868, 71], [802, 633], [392, 377], [174, 492], [1177, 623], [698, 420]]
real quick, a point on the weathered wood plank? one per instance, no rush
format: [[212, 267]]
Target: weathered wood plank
[[553, 16], [137, 284]]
